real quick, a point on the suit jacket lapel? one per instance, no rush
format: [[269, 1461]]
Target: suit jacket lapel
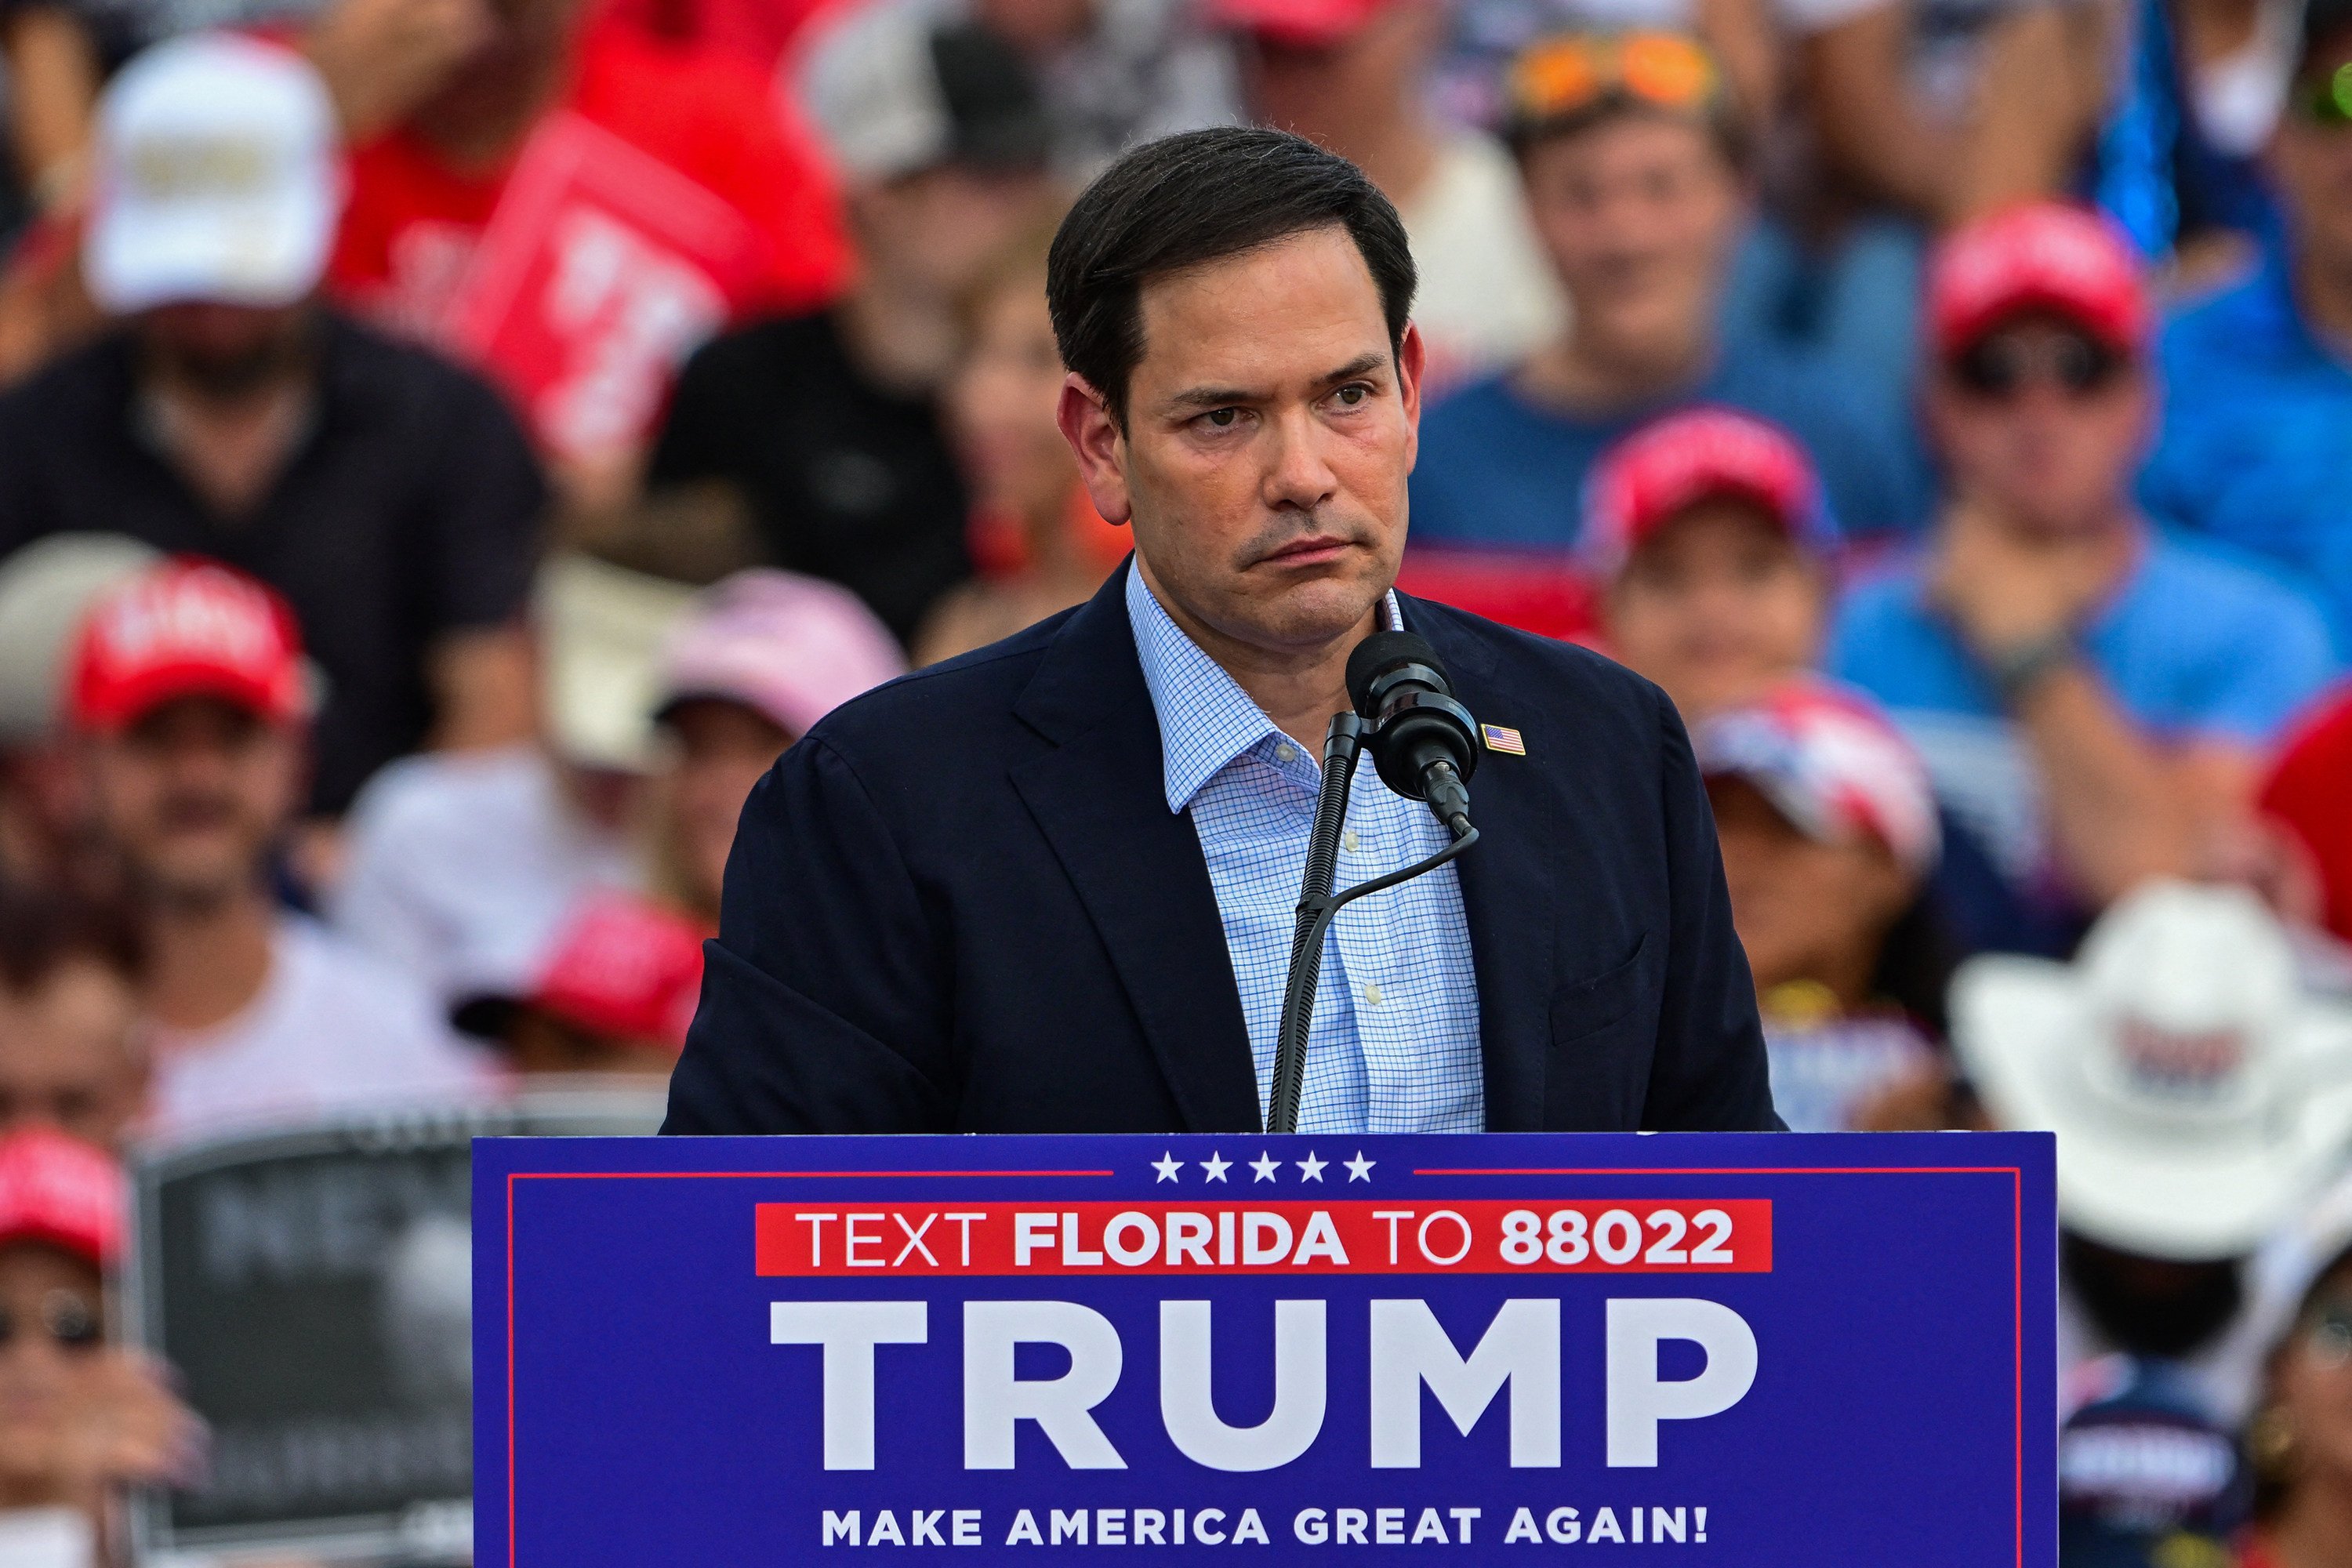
[[1100, 801], [1509, 895]]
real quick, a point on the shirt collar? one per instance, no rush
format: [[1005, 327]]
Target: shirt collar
[[1206, 720]]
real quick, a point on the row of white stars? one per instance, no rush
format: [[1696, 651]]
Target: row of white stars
[[1310, 1169]]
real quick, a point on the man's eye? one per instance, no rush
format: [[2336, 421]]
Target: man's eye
[[1354, 393], [1221, 418]]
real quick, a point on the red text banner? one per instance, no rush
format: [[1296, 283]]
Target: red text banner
[[1676, 1235]]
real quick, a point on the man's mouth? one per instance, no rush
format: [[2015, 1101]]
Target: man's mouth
[[1314, 550]]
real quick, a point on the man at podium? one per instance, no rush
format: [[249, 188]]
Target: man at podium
[[1050, 886]]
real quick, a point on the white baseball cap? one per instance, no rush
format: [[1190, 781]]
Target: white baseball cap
[[601, 629], [2199, 1094], [218, 177], [46, 589]]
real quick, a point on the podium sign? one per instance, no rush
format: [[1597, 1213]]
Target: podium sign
[[1759, 1349]]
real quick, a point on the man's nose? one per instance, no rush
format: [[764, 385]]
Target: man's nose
[[1299, 473]]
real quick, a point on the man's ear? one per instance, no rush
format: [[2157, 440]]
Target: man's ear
[[1096, 440], [1413, 358]]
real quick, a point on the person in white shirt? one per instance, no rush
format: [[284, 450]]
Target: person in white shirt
[[188, 695], [1351, 76]]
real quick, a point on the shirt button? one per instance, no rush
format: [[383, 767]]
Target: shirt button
[[1350, 840], [1286, 753], [1372, 993]]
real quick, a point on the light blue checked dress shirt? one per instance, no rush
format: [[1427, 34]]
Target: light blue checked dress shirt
[[1395, 1043]]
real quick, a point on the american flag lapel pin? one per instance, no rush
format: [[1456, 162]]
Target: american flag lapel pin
[[1500, 738]]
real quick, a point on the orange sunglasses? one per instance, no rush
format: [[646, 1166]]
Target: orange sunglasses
[[1569, 74]]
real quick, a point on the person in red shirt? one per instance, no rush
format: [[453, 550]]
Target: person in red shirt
[[559, 110], [2307, 792]]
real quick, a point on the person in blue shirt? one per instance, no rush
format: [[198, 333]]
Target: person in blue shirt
[[2257, 441], [1631, 161], [2093, 699]]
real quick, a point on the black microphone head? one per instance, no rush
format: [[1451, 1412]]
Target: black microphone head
[[1382, 652]]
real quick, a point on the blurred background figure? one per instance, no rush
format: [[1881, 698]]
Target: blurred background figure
[[72, 1053], [1708, 540], [44, 590], [189, 705], [1039, 543], [385, 495], [750, 667], [2175, 1060], [1111, 72], [2093, 699], [79, 1419], [1351, 76], [1828, 837], [462, 867], [667, 193], [2299, 1441], [826, 423], [2306, 794], [2258, 377], [613, 994], [1632, 164]]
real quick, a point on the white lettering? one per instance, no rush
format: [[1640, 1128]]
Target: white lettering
[[1410, 1348], [848, 1330], [1638, 1401], [995, 1402], [1188, 1408]]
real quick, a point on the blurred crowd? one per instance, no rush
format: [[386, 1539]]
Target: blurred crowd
[[448, 450]]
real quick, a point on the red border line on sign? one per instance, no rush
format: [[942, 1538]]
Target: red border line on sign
[[2016, 1270], [514, 1176]]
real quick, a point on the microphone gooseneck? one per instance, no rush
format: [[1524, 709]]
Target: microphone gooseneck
[[1425, 745]]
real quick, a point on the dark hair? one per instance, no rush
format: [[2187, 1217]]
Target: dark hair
[[40, 934], [1186, 200], [2324, 22]]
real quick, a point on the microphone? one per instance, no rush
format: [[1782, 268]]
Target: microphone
[[1423, 743]]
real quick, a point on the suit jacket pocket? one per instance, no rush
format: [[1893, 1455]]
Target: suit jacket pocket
[[1598, 1062]]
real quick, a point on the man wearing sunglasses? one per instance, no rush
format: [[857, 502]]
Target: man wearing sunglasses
[[2259, 431], [2092, 698], [1632, 164]]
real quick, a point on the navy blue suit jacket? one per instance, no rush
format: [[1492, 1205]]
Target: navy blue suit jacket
[[962, 904]]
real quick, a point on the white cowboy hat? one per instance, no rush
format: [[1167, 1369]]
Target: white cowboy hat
[[2199, 1094]]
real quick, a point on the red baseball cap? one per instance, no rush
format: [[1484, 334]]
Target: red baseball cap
[[1302, 24], [188, 627], [61, 1191], [625, 967], [2043, 256], [1672, 464]]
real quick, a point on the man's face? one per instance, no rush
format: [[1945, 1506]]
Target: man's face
[[224, 350], [193, 795], [1803, 909], [1638, 214], [2312, 162], [1340, 93], [69, 1055], [53, 1305], [1269, 432], [933, 231], [722, 749], [1715, 605], [2041, 423]]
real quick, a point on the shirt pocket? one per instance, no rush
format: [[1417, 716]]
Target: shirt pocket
[[1603, 1029]]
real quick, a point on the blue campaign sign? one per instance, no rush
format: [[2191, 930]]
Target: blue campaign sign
[[1758, 1349]]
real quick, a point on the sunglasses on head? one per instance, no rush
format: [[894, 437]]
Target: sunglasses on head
[[2003, 365], [2329, 100], [1567, 75], [65, 1317]]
